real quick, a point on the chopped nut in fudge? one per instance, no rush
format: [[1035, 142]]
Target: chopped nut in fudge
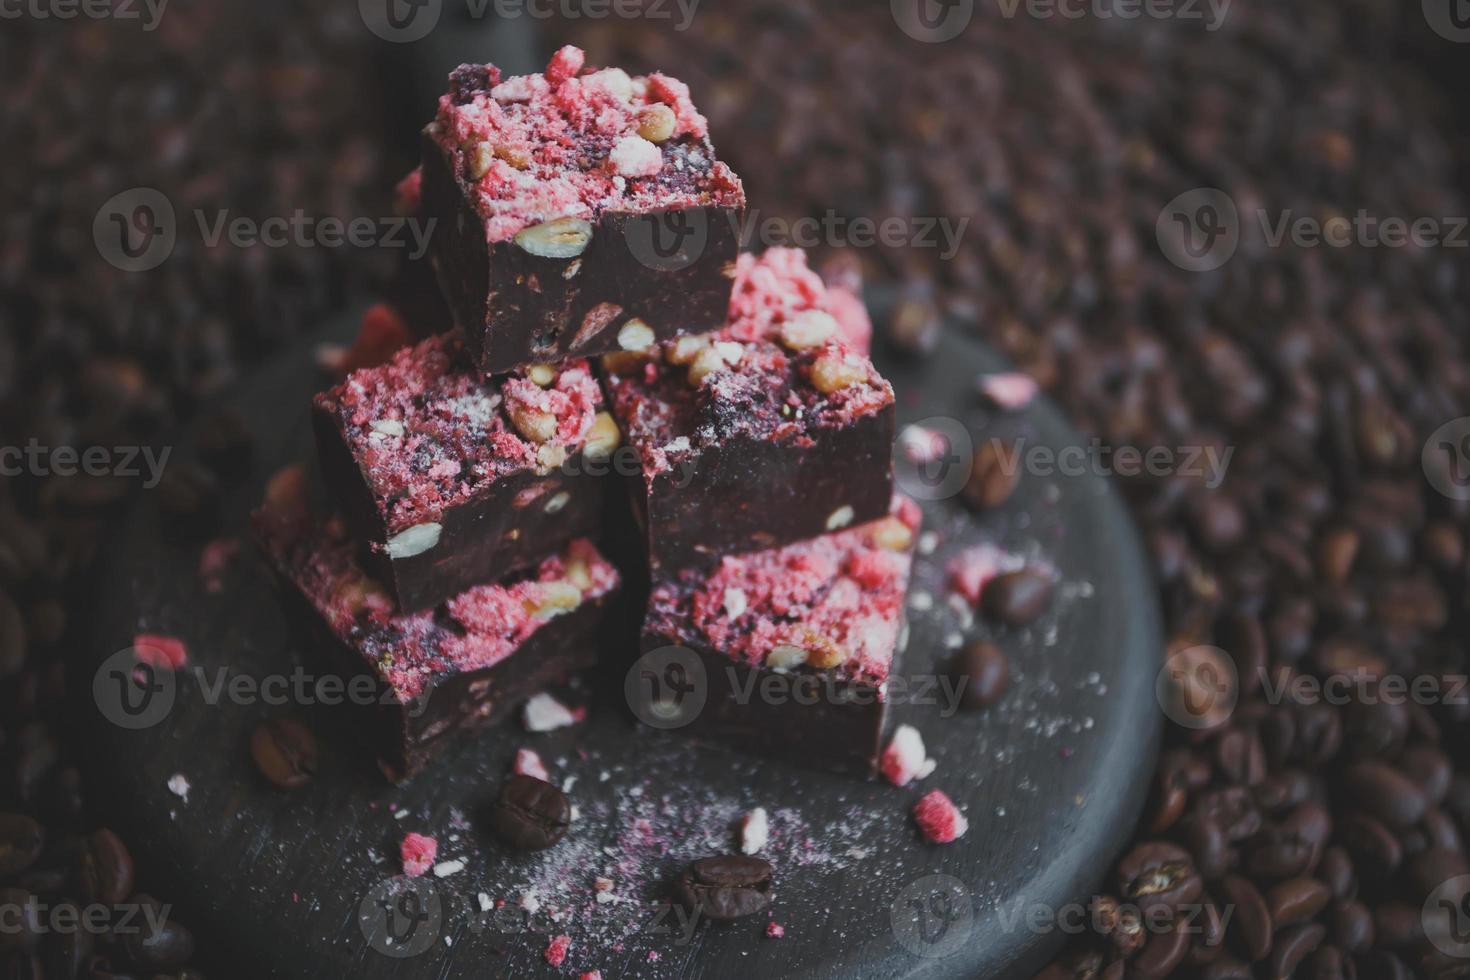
[[541, 184], [768, 431], [460, 666], [451, 479], [824, 613]]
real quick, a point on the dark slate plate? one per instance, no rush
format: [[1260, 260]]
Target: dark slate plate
[[290, 884]]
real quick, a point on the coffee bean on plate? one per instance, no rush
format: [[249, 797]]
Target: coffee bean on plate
[[993, 475], [1018, 598], [530, 814], [285, 752], [725, 888], [985, 673], [157, 942]]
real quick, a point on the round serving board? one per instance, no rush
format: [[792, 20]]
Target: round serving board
[[300, 884]]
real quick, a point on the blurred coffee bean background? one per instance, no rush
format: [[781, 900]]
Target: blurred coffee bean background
[[1336, 546]]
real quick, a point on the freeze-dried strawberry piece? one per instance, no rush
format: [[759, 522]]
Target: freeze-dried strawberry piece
[[905, 760], [161, 652], [939, 819], [418, 853], [556, 950]]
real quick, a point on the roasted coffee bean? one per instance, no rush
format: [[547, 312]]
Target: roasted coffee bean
[[1376, 852], [985, 674], [1327, 963], [1352, 926], [21, 841], [1206, 843], [1319, 733], [1429, 768], [1385, 793], [1398, 925], [1158, 874], [1163, 952], [1293, 946], [1226, 968], [1018, 598], [1167, 801], [993, 475], [1296, 900], [1240, 757], [105, 869], [1441, 830], [1376, 728], [1252, 924], [159, 943], [1283, 790], [1218, 522], [285, 752], [1336, 871], [1234, 809], [1428, 869], [915, 326], [21, 913], [530, 814], [725, 888]]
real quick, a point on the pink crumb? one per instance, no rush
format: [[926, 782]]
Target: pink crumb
[[161, 652], [556, 950], [923, 445], [973, 569], [418, 853], [905, 759], [528, 763], [1010, 391], [775, 930], [591, 975], [939, 819]]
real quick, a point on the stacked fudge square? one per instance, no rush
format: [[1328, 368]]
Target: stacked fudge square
[[455, 566], [778, 553]]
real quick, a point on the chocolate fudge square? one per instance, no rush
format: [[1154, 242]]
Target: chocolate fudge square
[[797, 644], [768, 431], [422, 678], [449, 479], [576, 212]]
